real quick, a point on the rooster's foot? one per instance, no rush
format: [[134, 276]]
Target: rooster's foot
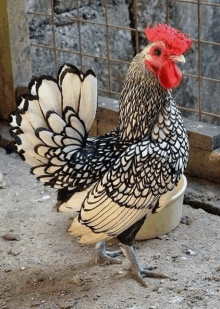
[[138, 271], [145, 272], [103, 255]]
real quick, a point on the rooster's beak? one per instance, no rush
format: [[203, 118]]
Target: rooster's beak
[[180, 58]]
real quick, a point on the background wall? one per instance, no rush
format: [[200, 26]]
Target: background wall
[[32, 42], [122, 42]]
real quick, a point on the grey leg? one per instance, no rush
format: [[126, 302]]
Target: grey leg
[[103, 255], [140, 272]]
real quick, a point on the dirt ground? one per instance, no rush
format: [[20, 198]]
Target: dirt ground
[[42, 267]]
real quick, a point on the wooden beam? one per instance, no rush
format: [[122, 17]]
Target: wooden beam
[[7, 95]]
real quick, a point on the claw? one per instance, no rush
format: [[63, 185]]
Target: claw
[[139, 278], [146, 273], [149, 267]]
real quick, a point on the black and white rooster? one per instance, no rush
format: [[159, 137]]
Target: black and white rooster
[[116, 180]]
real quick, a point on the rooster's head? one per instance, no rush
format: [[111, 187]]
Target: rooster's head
[[167, 46]]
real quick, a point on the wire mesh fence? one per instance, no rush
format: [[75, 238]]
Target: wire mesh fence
[[68, 40]]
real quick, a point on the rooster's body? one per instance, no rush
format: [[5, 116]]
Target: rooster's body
[[124, 175]]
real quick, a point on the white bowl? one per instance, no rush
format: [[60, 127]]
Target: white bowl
[[168, 218]]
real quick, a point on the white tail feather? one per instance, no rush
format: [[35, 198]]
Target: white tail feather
[[28, 130], [47, 125], [56, 123], [70, 85], [49, 97], [33, 87], [75, 123], [35, 115], [88, 102], [80, 92], [46, 137]]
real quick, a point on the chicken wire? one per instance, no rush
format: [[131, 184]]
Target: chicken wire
[[197, 112]]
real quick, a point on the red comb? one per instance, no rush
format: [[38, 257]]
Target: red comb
[[176, 42]]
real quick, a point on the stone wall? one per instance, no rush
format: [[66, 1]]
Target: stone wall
[[122, 42]]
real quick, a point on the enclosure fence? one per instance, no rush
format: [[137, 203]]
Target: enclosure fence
[[136, 31]]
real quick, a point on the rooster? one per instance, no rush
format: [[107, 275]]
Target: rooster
[[116, 180]]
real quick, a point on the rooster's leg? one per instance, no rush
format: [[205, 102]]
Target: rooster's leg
[[140, 272], [103, 255]]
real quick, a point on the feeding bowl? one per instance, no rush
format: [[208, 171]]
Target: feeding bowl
[[168, 218]]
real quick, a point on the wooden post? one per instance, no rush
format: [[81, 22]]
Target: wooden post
[[7, 94]]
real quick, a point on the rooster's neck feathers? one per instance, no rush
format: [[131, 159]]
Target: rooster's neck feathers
[[141, 98]]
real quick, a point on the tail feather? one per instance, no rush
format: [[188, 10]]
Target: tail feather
[[41, 150], [74, 133], [55, 123], [49, 95], [70, 84], [22, 103], [46, 137], [33, 86], [87, 108], [34, 113], [51, 123], [74, 122], [25, 138], [31, 158], [79, 91], [28, 130]]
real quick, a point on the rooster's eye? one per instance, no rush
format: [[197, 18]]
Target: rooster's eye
[[157, 51]]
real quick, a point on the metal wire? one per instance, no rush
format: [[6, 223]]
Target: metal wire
[[199, 62], [136, 28], [136, 32], [167, 11], [54, 37], [79, 31], [107, 46]]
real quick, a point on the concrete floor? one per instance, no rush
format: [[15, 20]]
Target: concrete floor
[[41, 266]]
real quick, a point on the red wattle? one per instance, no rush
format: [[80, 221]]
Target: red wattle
[[169, 75]]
